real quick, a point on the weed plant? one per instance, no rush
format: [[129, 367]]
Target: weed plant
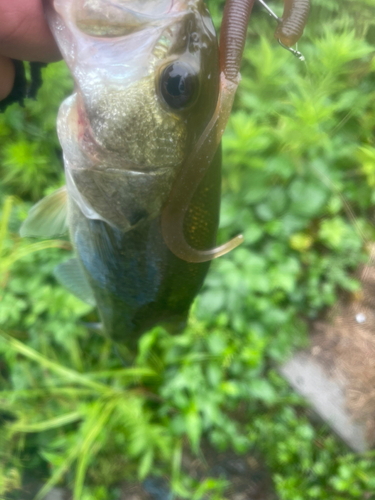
[[298, 151]]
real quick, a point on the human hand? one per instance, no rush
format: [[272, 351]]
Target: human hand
[[24, 35]]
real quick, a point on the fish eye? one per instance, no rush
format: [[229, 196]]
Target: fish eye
[[179, 85]]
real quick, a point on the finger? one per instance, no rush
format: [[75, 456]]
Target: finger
[[7, 72], [24, 33]]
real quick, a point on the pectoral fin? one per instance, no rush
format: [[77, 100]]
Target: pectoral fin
[[70, 275], [48, 218]]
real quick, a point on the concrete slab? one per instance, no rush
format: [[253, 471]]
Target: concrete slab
[[326, 395], [58, 494], [32, 488]]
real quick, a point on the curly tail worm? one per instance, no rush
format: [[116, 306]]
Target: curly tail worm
[[232, 42]]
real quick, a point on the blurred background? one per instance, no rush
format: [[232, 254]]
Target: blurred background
[[298, 182]]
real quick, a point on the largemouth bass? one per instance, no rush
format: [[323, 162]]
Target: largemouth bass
[[141, 140], [147, 84]]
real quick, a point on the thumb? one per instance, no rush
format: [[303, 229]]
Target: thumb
[[7, 72]]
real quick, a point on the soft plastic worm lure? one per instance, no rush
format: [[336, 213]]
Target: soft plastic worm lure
[[232, 42], [292, 23]]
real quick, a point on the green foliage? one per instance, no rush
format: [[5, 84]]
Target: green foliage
[[298, 171], [310, 464], [30, 157]]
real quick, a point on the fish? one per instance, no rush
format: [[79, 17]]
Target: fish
[[147, 84], [141, 139]]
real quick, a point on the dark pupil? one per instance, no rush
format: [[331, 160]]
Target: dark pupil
[[178, 85]]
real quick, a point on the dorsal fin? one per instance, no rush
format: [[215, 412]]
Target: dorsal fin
[[48, 218]]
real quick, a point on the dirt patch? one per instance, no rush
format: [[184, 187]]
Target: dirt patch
[[246, 474]]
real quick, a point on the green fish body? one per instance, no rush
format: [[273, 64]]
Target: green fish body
[[146, 85]]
